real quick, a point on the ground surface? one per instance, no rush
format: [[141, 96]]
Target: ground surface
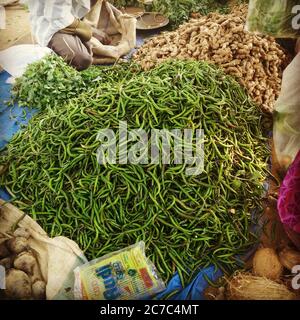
[[17, 29]]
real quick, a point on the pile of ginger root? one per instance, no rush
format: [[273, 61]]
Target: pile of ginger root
[[257, 62], [23, 277]]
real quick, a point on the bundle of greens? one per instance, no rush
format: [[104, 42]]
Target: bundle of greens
[[187, 221], [51, 82], [275, 18]]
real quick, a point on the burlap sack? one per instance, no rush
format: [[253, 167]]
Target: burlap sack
[[57, 257], [121, 27]]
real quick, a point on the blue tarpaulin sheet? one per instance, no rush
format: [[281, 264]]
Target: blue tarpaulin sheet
[[12, 117], [11, 120]]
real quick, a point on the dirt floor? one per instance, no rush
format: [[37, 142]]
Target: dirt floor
[[17, 29]]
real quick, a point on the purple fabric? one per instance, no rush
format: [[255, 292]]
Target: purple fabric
[[289, 197]]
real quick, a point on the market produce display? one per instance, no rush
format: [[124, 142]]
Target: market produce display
[[23, 275], [187, 222], [256, 61]]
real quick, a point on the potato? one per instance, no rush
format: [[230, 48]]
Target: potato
[[22, 232], [39, 290], [26, 262], [18, 285], [266, 264], [4, 252], [6, 263], [17, 245]]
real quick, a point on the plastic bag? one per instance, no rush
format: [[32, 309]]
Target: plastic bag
[[122, 275], [57, 257], [287, 116], [289, 196], [289, 200], [277, 18], [15, 59]]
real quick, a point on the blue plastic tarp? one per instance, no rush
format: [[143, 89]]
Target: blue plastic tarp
[[12, 117], [195, 290]]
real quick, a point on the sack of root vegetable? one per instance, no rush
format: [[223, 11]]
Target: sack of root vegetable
[[35, 266], [23, 275]]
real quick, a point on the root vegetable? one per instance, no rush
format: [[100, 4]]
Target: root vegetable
[[17, 245], [289, 258], [266, 264], [37, 275], [245, 286], [4, 252], [18, 285], [26, 262], [39, 290], [222, 40], [22, 232], [6, 263]]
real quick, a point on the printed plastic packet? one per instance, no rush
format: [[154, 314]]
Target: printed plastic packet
[[126, 274]]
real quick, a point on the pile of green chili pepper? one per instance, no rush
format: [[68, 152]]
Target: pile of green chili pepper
[[187, 222]]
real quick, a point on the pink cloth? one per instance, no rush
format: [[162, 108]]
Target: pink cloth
[[289, 197]]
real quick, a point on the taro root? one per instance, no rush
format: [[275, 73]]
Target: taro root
[[39, 290], [26, 262], [6, 262], [18, 285], [4, 252], [17, 245]]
